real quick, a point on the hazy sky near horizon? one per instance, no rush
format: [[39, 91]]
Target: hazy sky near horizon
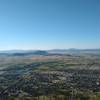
[[49, 24]]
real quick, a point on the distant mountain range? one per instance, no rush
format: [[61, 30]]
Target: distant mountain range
[[47, 52], [23, 52], [75, 51]]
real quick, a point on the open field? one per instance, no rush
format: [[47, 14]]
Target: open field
[[50, 77]]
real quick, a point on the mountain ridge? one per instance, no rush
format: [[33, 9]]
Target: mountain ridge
[[52, 51]]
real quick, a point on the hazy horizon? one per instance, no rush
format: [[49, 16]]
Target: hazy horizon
[[49, 24], [52, 49]]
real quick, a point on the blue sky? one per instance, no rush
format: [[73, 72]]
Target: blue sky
[[49, 24]]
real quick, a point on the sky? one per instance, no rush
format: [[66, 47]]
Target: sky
[[49, 24]]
